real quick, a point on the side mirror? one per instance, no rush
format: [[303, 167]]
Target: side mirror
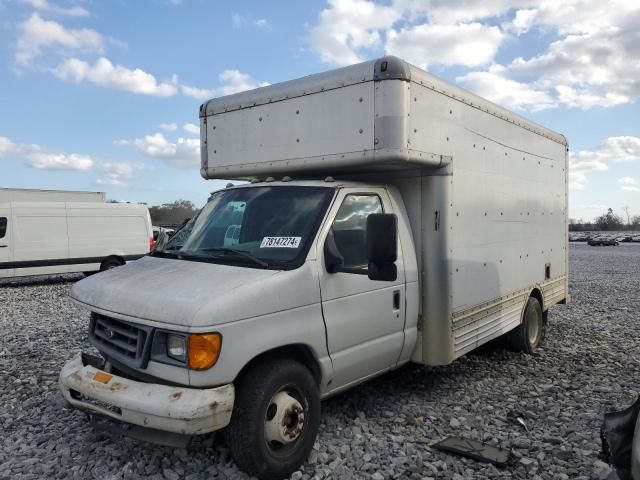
[[332, 259], [382, 246]]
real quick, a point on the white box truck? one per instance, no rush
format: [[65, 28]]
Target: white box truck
[[390, 218], [42, 238]]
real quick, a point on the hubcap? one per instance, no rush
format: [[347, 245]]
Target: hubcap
[[284, 419], [533, 328]]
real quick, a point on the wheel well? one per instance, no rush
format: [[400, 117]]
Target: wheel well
[[537, 294], [115, 257], [299, 352]]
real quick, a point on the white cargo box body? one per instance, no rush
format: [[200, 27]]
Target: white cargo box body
[[484, 188]]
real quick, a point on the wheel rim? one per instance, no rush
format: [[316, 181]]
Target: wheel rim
[[534, 327], [284, 421]]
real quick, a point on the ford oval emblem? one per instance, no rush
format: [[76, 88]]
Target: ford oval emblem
[[108, 333]]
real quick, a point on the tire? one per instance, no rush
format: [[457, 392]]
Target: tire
[[256, 413], [528, 336], [110, 263]]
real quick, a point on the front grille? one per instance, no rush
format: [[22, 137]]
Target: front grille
[[126, 342]]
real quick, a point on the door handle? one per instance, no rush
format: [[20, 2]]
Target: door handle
[[396, 299], [4, 246]]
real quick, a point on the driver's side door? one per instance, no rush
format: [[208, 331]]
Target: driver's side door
[[364, 318]]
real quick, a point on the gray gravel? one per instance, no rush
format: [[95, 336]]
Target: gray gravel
[[383, 429]]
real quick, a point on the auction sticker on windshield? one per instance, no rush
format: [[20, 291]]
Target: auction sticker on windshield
[[280, 242]]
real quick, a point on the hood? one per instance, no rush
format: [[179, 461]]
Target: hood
[[196, 294]]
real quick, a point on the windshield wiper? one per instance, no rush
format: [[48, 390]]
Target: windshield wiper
[[242, 253]]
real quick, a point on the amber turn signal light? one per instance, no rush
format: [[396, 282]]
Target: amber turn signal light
[[203, 350]]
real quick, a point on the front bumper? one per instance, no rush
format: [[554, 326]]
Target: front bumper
[[181, 410]]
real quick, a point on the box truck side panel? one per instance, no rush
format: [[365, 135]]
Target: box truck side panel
[[503, 231]]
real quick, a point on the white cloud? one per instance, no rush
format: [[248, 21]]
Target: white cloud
[[522, 21], [37, 34], [261, 22], [169, 127], [197, 93], [241, 20], [593, 59], [596, 69], [231, 81], [38, 157], [116, 174], [45, 6], [458, 11], [629, 184], [346, 28], [234, 81], [494, 86], [614, 149], [106, 74], [183, 153], [470, 45], [59, 161], [191, 128]]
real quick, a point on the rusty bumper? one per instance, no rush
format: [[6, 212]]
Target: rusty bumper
[[182, 410]]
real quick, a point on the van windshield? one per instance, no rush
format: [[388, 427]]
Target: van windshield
[[259, 227]]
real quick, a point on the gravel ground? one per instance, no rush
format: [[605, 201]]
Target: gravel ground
[[589, 365]]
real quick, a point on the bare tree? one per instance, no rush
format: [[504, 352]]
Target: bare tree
[[626, 211]]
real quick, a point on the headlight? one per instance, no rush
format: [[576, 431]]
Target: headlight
[[176, 347]]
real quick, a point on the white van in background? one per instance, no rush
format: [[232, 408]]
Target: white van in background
[[39, 238]]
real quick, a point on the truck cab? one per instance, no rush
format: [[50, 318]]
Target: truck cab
[[267, 272]]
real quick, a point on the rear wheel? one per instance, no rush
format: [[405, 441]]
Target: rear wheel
[[275, 419], [530, 333], [109, 263]]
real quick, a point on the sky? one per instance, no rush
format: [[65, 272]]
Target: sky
[[104, 95]]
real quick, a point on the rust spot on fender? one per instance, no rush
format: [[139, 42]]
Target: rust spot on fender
[[175, 396], [213, 406], [76, 376], [117, 387]]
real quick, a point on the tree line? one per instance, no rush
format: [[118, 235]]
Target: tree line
[[607, 221], [172, 214]]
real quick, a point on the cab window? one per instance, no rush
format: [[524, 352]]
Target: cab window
[[350, 228], [3, 226]]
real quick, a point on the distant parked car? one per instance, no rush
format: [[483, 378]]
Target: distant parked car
[[157, 230], [603, 242]]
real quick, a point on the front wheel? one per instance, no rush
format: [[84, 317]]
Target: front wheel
[[529, 334], [109, 263], [275, 419]]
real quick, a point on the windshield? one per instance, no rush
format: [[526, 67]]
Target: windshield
[[260, 227]]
